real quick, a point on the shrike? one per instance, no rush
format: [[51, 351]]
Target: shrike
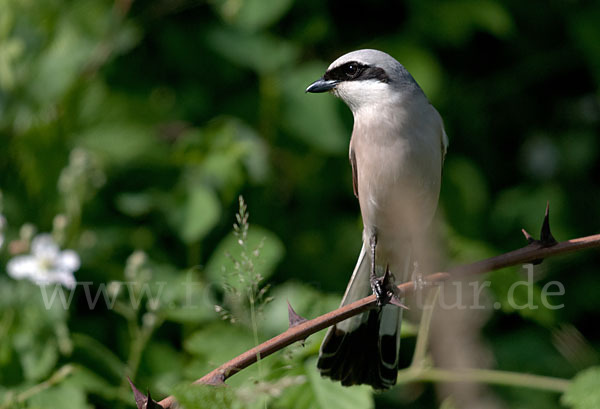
[[396, 152]]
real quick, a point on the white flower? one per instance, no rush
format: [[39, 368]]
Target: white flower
[[46, 264]]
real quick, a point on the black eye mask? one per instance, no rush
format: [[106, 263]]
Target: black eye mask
[[355, 71]]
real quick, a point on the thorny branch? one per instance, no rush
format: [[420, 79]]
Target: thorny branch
[[300, 329]]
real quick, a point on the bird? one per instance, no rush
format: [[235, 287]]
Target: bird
[[397, 151]]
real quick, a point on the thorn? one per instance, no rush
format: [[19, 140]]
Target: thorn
[[546, 238], [294, 318], [139, 397], [216, 380], [528, 236], [394, 300], [150, 404], [142, 401]]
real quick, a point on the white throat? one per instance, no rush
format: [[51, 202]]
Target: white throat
[[369, 93]]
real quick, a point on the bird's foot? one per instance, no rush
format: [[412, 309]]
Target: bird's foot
[[385, 290], [378, 289]]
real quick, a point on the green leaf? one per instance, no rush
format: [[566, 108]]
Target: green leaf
[[261, 52], [322, 393], [583, 27], [224, 154], [97, 356], [39, 359], [60, 63], [262, 244], [466, 194], [198, 214], [312, 118], [332, 395], [219, 340], [463, 249], [91, 382], [166, 363], [134, 204], [252, 15], [216, 344], [233, 146], [121, 143], [187, 299], [11, 50], [523, 206], [64, 396], [126, 37], [33, 332], [584, 393], [519, 293], [206, 397], [305, 300], [454, 22]]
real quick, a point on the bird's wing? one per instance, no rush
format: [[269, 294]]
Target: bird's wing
[[444, 143], [354, 172]]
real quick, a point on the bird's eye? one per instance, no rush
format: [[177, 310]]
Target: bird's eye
[[350, 70]]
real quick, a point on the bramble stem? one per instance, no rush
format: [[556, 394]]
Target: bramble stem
[[527, 254]]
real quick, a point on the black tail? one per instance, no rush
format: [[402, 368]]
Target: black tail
[[364, 355], [363, 349]]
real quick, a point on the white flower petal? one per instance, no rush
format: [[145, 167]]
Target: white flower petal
[[44, 246], [22, 267], [68, 260], [62, 277], [46, 264]]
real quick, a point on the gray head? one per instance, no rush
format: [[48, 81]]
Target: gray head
[[366, 77]]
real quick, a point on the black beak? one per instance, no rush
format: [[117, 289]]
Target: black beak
[[322, 85]]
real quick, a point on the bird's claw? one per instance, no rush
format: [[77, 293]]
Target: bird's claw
[[385, 290]]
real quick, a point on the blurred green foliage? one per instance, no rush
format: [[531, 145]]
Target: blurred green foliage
[[140, 123]]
